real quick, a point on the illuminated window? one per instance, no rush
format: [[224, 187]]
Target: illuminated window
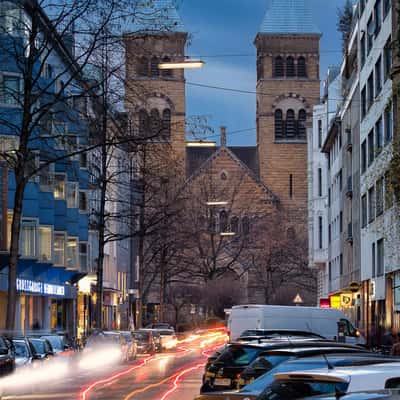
[[45, 241], [59, 186], [59, 249], [83, 256], [72, 194], [28, 239], [72, 253]]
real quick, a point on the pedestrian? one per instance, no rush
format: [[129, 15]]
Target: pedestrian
[[396, 347], [36, 325]]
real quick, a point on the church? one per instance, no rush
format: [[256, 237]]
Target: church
[[273, 173]]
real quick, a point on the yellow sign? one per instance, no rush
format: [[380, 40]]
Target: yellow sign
[[346, 300], [335, 301]]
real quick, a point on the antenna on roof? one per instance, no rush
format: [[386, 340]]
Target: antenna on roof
[[330, 366]]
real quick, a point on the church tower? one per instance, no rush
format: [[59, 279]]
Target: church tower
[[288, 86], [155, 97]]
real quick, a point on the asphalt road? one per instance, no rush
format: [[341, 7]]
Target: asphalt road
[[168, 376]]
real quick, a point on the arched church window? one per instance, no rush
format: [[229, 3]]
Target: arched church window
[[279, 68], [166, 72], [301, 67], [290, 124], [166, 124], [235, 224], [155, 122], [223, 221], [154, 70], [279, 131], [290, 72], [245, 225], [301, 124], [260, 67], [143, 123], [143, 66]]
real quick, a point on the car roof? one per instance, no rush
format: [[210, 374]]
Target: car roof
[[363, 395], [314, 349]]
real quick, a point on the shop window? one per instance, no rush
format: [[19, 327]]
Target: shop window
[[59, 186], [72, 194], [72, 253], [83, 256], [59, 249], [45, 242], [28, 239]]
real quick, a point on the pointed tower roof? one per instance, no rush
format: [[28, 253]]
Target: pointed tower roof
[[156, 16], [289, 17]]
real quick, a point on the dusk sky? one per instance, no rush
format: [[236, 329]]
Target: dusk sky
[[228, 27]]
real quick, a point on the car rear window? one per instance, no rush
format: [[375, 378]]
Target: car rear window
[[55, 341], [38, 346], [143, 336], [239, 355], [268, 362], [298, 389]]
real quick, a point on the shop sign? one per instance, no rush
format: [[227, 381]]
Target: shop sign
[[346, 300], [335, 301], [47, 289], [324, 303]]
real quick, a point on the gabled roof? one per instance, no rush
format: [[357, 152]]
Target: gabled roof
[[156, 16], [289, 17]]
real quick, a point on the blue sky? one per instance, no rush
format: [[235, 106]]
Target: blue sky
[[221, 27]]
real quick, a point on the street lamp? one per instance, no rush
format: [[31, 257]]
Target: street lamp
[[201, 143], [227, 234], [217, 203], [187, 64]]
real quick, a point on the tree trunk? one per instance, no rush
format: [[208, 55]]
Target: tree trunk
[[14, 250], [141, 259]]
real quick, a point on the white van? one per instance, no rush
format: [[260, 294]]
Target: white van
[[323, 321]]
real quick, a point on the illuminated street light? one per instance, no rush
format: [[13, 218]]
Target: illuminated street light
[[227, 234], [201, 144], [189, 64], [217, 203]]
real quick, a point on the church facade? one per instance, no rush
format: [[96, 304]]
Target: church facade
[[273, 173]]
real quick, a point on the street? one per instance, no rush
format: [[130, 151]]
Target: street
[[173, 375]]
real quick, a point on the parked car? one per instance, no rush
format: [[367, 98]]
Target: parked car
[[145, 341], [260, 385], [7, 356], [131, 345], [59, 343], [237, 356], [387, 394], [24, 353], [271, 333], [317, 320], [159, 325], [339, 381], [42, 347]]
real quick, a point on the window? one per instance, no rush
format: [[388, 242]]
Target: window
[[45, 243], [10, 89], [387, 59], [388, 125], [364, 102], [329, 197], [155, 123], [28, 239], [380, 258], [378, 135], [362, 50], [143, 66], [373, 259], [46, 178], [279, 68], [301, 124], [386, 7], [166, 72], [330, 271], [279, 131], [72, 253], [245, 225], [83, 160], [363, 156], [290, 70], [83, 202], [371, 204], [341, 264], [364, 211], [320, 182], [371, 150], [319, 133], [223, 221], [370, 90], [378, 16], [59, 249], [144, 123], [341, 222], [388, 192], [291, 186], [378, 76], [154, 70], [235, 224], [10, 17], [340, 180], [290, 124], [59, 186], [166, 124], [379, 197], [301, 67], [72, 194], [370, 36], [83, 256], [320, 233]]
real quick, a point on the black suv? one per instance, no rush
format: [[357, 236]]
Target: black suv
[[7, 356]]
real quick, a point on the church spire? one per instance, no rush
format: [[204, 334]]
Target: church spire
[[157, 16], [289, 17]]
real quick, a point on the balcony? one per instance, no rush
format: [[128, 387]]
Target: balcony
[[349, 238], [349, 187], [349, 140]]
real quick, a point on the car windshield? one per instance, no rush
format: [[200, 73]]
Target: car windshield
[[302, 388], [141, 336], [21, 349], [238, 355], [55, 341], [3, 346], [39, 346]]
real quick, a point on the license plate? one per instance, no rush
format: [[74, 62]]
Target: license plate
[[222, 382]]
